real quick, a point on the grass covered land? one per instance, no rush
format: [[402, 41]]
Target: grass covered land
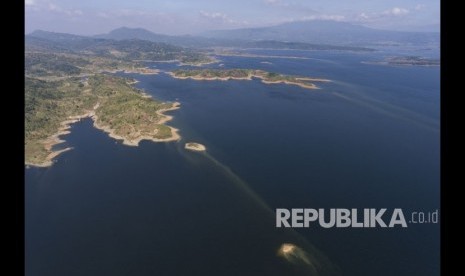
[[246, 74], [116, 107]]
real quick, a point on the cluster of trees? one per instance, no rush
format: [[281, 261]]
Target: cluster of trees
[[41, 64], [40, 105]]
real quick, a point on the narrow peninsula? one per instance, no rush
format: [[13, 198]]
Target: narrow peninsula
[[246, 74]]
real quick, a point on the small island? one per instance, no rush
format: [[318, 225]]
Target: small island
[[246, 74], [195, 146], [294, 254]]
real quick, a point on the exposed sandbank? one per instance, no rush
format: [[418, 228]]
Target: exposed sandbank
[[195, 146]]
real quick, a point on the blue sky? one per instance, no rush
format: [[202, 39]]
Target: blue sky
[[194, 16]]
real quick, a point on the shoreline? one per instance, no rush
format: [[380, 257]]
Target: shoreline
[[54, 139], [49, 159]]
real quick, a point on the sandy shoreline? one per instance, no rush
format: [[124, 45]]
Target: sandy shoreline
[[308, 86], [66, 125]]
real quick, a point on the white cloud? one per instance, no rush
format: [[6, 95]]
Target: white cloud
[[420, 7], [53, 7], [218, 19], [103, 14], [363, 16], [396, 11], [126, 13], [272, 2], [214, 15], [129, 13], [57, 9], [371, 17], [29, 2], [333, 17]]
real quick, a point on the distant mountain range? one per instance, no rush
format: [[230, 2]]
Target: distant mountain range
[[305, 35], [124, 33], [326, 31]]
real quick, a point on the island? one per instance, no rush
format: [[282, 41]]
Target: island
[[246, 74], [408, 61], [195, 146]]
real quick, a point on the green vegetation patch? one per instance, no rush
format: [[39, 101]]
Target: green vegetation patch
[[122, 108]]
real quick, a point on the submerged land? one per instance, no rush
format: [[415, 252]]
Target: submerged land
[[247, 74]]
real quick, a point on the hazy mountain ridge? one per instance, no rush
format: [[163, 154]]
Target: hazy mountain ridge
[[125, 33], [325, 31], [301, 35]]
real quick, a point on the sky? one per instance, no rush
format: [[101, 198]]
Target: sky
[[176, 17]]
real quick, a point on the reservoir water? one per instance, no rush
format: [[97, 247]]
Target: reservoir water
[[368, 139]]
